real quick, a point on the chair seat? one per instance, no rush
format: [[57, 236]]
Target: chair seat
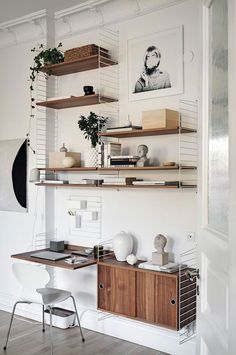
[[51, 296]]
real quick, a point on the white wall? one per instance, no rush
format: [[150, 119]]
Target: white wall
[[144, 213]]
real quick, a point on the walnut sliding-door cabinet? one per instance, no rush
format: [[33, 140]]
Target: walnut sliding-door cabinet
[[140, 294]]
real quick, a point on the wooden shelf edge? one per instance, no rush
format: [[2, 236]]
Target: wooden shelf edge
[[75, 101], [78, 65], [111, 186], [147, 132], [146, 168]]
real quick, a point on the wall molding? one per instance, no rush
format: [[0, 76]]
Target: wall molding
[[77, 19]]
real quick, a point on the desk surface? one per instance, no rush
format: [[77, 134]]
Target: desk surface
[[60, 263]]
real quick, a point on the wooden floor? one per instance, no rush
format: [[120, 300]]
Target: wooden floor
[[28, 339]]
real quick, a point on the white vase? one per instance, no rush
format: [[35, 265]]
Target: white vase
[[91, 157], [122, 245], [68, 162]]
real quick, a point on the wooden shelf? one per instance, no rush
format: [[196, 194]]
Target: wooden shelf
[[66, 185], [147, 132], [76, 169], [110, 186], [145, 168], [78, 65], [139, 168], [75, 101]]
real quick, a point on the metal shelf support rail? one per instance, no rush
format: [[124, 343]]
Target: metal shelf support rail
[[188, 143], [188, 291]]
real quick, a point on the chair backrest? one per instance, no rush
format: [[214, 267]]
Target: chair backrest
[[31, 276]]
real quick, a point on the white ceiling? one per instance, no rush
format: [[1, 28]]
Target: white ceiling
[[11, 9]]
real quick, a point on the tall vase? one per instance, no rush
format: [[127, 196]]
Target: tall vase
[[122, 245], [91, 157]]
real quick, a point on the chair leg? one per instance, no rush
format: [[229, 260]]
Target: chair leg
[[77, 318], [12, 316], [43, 319], [51, 339]]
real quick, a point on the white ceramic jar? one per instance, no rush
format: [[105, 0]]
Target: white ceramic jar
[[122, 245]]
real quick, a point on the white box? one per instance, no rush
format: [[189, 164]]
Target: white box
[[61, 318]]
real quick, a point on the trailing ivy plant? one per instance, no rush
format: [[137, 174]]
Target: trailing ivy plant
[[91, 125], [42, 58]]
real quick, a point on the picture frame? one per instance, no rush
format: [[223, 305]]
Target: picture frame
[[155, 64]]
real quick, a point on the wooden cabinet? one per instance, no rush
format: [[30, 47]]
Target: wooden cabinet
[[157, 298], [116, 290], [140, 294]]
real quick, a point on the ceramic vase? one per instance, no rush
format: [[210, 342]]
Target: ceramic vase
[[122, 245], [91, 157]]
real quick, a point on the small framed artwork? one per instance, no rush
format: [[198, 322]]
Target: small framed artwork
[[155, 64]]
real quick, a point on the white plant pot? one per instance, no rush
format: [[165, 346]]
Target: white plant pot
[[122, 245], [91, 157]]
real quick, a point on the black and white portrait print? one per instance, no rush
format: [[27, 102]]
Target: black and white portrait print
[[156, 64]]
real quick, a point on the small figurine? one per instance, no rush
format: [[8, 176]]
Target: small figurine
[[160, 257], [142, 153]]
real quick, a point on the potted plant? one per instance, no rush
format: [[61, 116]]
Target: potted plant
[[91, 125], [42, 58]]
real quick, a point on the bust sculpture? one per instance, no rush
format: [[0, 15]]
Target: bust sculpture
[[160, 257], [159, 243], [142, 153]]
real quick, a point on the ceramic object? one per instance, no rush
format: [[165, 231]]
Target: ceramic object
[[88, 90], [63, 148], [91, 157], [122, 245], [131, 259], [68, 162]]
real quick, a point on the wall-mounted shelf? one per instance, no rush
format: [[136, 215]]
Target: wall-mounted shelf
[[147, 132], [78, 65], [145, 168], [75, 101], [76, 169], [111, 186]]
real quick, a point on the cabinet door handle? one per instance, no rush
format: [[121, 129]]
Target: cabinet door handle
[[173, 302], [101, 285]]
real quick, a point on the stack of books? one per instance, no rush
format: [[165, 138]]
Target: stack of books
[[123, 161], [120, 181], [90, 181], [59, 182], [105, 153], [170, 267], [123, 128], [156, 182]]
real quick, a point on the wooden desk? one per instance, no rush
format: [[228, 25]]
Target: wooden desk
[[60, 263]]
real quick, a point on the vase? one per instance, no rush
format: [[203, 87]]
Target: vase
[[122, 245], [91, 157]]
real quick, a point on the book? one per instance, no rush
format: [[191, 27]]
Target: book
[[170, 267], [156, 182], [54, 182], [91, 181], [110, 149], [76, 260], [119, 181], [123, 129], [125, 157]]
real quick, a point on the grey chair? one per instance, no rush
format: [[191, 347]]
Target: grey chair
[[33, 280]]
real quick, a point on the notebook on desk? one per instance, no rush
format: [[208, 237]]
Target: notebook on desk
[[50, 255]]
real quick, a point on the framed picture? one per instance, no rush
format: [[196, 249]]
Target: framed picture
[[155, 64]]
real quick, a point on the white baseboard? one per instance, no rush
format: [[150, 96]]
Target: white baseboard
[[123, 328]]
